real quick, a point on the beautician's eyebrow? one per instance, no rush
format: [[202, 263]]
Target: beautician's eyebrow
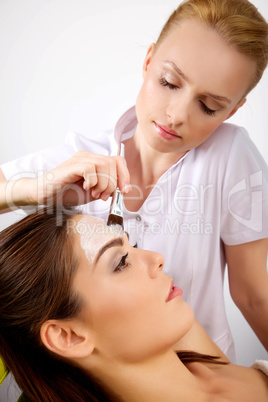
[[117, 242], [218, 97], [182, 75], [177, 69]]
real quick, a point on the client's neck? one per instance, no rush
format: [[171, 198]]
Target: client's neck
[[162, 378]]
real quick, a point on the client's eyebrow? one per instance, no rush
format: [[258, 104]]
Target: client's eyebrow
[[118, 241]]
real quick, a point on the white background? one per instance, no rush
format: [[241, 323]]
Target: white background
[[77, 65]]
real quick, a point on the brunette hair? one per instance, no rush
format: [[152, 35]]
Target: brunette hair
[[37, 267], [238, 22]]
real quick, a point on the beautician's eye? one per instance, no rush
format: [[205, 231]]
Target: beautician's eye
[[208, 111], [135, 245], [123, 263], [165, 83]]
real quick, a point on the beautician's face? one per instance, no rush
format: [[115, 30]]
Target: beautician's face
[[126, 294], [192, 82]]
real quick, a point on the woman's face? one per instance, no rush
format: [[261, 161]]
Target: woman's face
[[129, 307], [192, 82]]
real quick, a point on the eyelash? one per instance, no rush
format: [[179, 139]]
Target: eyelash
[[208, 111], [124, 262], [165, 83]]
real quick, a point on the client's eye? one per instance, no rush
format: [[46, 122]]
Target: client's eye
[[123, 263]]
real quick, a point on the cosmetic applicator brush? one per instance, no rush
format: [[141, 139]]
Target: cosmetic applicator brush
[[116, 210]]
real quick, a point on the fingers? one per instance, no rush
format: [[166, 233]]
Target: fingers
[[107, 180], [90, 177], [102, 174], [97, 175]]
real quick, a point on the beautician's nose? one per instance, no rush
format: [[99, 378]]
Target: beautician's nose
[[155, 263], [177, 110]]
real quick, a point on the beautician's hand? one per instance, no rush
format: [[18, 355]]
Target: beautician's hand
[[82, 178]]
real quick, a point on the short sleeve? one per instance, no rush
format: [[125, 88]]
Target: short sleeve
[[244, 215]]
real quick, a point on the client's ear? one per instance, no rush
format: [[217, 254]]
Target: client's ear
[[67, 338]]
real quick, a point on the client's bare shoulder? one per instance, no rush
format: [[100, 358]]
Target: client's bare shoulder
[[230, 382]]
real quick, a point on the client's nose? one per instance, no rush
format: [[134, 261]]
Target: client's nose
[[155, 263]]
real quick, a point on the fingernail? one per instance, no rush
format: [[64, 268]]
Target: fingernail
[[85, 185], [105, 198], [127, 188], [95, 195]]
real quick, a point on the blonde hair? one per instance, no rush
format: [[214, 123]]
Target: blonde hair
[[237, 21]]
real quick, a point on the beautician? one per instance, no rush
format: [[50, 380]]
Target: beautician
[[199, 186]]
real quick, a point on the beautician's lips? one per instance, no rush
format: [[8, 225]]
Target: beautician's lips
[[166, 132], [175, 291]]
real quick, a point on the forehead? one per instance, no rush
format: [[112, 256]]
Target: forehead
[[93, 233], [191, 31], [93, 227], [201, 52]]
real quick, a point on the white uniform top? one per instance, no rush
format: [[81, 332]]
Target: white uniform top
[[217, 193]]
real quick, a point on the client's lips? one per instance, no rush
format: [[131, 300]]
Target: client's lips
[[175, 291]]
